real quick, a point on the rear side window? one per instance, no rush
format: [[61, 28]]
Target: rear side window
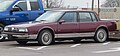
[[93, 17], [70, 17], [34, 5], [85, 17]]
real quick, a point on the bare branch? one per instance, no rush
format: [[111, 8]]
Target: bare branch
[[54, 3], [111, 3]]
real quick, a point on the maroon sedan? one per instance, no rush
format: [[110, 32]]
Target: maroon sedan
[[62, 24]]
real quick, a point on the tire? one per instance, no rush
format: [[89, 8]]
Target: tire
[[22, 42], [2, 38], [77, 40], [101, 35], [45, 37]]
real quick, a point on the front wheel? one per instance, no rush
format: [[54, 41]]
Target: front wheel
[[45, 37], [101, 36], [2, 38]]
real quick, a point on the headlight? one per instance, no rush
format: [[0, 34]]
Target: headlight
[[6, 29], [14, 29], [22, 29]]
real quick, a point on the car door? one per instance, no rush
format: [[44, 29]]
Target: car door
[[87, 22], [69, 27], [35, 9], [23, 14]]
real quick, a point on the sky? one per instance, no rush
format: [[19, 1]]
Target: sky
[[81, 3]]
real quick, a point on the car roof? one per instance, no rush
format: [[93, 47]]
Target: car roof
[[72, 10]]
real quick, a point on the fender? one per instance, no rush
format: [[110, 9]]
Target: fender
[[46, 27], [100, 27]]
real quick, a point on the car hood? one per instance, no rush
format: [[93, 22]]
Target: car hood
[[25, 24]]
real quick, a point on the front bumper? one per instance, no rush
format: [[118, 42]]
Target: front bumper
[[20, 35], [115, 33]]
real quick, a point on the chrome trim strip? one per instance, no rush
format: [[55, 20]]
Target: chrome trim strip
[[71, 35], [25, 36]]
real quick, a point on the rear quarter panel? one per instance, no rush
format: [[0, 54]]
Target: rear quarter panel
[[111, 26]]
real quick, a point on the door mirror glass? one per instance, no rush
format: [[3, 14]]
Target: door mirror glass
[[61, 21]]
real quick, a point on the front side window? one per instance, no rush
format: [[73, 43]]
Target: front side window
[[70, 17], [22, 6], [85, 17], [4, 4], [34, 5]]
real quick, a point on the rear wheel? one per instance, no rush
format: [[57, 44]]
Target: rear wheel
[[45, 38], [101, 35], [22, 42]]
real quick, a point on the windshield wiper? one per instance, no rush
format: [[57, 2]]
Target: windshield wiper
[[39, 20], [43, 20]]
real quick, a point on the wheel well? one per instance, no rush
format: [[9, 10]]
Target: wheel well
[[48, 30], [2, 23], [104, 29]]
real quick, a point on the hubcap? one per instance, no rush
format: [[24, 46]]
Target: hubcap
[[46, 38], [1, 36], [102, 35]]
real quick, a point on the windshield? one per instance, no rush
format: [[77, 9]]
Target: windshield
[[50, 16], [4, 4]]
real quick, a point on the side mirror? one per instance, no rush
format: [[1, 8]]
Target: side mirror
[[14, 9], [61, 21]]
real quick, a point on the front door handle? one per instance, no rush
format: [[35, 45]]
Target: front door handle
[[26, 14]]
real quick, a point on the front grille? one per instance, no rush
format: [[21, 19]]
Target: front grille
[[12, 29], [9, 29]]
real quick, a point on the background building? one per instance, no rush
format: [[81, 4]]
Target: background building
[[109, 9]]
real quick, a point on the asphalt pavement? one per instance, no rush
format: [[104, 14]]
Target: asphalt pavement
[[62, 48]]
